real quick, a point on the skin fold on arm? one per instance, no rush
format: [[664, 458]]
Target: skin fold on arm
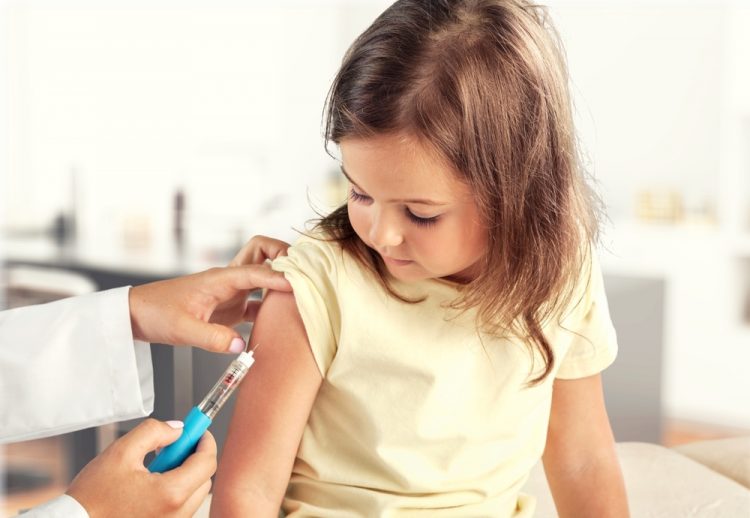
[[270, 415], [580, 460]]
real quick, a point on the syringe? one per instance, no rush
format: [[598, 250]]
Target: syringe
[[199, 418]]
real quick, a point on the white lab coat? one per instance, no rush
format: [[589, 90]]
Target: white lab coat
[[69, 365]]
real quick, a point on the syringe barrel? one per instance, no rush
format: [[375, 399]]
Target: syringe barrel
[[219, 394]]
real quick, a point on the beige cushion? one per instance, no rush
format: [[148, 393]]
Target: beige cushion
[[662, 483], [730, 457]]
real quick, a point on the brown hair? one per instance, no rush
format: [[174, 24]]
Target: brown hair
[[484, 83]]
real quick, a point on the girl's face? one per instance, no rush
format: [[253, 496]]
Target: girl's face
[[409, 207]]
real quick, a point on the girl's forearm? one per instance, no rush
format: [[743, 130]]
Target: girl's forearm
[[580, 458], [595, 490], [230, 503]]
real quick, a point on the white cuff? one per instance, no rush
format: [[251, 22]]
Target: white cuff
[[127, 401], [64, 506]]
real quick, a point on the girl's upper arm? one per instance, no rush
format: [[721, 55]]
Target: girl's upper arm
[[272, 408]]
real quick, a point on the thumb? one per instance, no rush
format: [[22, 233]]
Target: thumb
[[212, 337], [149, 435]]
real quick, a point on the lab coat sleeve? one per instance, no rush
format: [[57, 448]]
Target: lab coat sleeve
[[71, 364], [63, 506]]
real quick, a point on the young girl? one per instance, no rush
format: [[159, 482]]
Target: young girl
[[448, 324]]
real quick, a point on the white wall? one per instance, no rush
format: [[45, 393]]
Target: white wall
[[663, 99], [226, 102], [648, 85], [4, 143]]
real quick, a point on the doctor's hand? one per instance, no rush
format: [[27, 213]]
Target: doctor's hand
[[200, 309], [116, 483]]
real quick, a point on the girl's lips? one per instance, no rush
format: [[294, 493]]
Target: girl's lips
[[397, 262]]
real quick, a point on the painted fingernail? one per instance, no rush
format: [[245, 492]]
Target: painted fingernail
[[237, 346], [176, 424]]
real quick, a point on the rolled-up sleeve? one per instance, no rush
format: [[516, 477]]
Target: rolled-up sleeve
[[311, 269]]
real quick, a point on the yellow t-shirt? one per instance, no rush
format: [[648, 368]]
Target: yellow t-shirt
[[419, 414]]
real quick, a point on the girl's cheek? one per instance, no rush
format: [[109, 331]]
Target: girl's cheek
[[358, 219]]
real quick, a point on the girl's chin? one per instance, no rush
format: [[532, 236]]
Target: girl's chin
[[409, 274]]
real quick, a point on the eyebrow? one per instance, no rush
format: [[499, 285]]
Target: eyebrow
[[413, 200]]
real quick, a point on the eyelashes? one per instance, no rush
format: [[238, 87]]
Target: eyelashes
[[355, 196], [417, 220], [422, 222]]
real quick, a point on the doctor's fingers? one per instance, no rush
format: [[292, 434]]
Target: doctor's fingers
[[207, 336], [251, 277], [198, 468], [146, 437], [258, 249]]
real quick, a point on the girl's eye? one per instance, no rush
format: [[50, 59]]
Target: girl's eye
[[355, 196], [423, 222], [417, 220]]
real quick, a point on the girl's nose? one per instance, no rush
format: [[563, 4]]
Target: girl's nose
[[385, 232]]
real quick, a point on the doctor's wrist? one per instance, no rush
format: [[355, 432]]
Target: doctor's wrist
[[134, 303]]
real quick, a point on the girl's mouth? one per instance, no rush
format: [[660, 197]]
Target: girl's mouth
[[396, 262]]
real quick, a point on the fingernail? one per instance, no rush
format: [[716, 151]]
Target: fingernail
[[175, 424], [237, 346]]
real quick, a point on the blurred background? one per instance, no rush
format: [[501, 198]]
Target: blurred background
[[141, 140]]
